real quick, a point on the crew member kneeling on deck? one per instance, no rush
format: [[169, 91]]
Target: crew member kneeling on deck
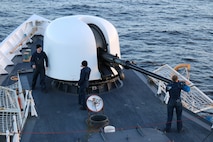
[[174, 102], [83, 83], [37, 62]]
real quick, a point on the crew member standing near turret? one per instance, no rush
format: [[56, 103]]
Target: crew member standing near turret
[[37, 62], [174, 90], [83, 83]]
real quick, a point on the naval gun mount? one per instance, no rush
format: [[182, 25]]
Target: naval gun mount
[[108, 68]]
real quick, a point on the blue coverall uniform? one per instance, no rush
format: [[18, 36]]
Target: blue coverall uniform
[[174, 102], [84, 84]]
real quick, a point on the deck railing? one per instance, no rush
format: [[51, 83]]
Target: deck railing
[[15, 102], [12, 45], [195, 100]]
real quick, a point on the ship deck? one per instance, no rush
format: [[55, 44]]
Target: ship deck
[[132, 105]]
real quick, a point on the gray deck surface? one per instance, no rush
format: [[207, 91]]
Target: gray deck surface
[[60, 119]]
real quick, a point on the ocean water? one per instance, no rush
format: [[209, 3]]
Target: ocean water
[[151, 32]]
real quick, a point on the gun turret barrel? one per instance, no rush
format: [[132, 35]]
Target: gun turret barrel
[[115, 60], [139, 69]]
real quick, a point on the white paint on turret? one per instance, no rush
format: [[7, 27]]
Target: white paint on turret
[[69, 40]]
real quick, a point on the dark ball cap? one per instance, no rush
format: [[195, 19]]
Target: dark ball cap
[[37, 46], [84, 63]]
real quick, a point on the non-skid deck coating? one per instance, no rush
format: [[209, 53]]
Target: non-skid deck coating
[[60, 119], [134, 104]]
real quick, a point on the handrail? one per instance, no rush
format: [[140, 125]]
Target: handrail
[[24, 39]]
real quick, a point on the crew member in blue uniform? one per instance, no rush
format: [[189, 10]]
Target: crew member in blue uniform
[[37, 63], [83, 84], [174, 102]]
